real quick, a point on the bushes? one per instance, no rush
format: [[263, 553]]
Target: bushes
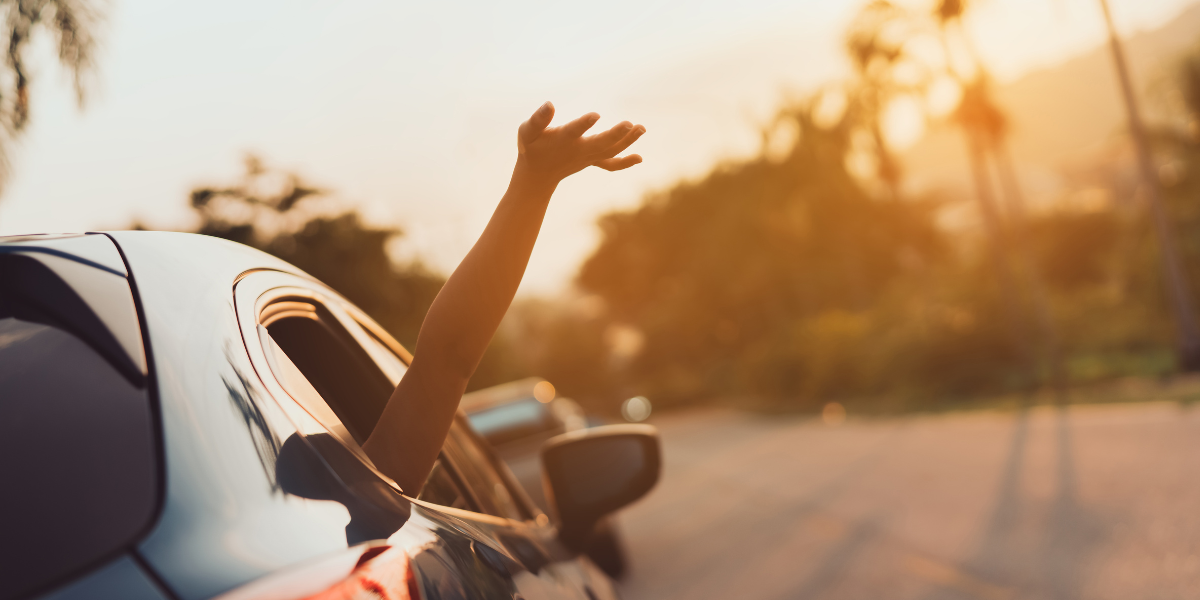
[[787, 284]]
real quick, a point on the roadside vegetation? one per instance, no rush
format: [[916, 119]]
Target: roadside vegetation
[[810, 273]]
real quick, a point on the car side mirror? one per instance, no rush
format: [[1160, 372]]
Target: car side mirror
[[591, 473]]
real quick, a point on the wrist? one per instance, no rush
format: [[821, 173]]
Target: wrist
[[530, 180]]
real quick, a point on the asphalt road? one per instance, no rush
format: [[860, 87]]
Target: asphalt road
[[1081, 502]]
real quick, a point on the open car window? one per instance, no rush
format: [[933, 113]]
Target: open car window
[[310, 355], [494, 494], [443, 487], [326, 352], [384, 355], [340, 370]]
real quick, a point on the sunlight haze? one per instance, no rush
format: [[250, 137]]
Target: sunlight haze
[[410, 111]]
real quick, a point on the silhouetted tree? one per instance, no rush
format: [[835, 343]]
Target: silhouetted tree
[[73, 23], [771, 279], [273, 211], [876, 43], [986, 129]]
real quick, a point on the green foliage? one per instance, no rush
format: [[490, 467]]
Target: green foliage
[[275, 212], [73, 23], [789, 281], [565, 342], [1075, 249], [786, 284]]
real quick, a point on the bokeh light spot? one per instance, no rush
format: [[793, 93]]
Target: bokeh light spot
[[543, 391], [833, 414], [636, 409]]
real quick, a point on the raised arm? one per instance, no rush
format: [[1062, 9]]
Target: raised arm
[[467, 311]]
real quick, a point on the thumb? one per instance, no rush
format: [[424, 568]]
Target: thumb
[[532, 128]]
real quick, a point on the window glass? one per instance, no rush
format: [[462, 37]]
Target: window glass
[[512, 420], [351, 383], [342, 373], [442, 488], [331, 377], [384, 357], [77, 452], [479, 473]]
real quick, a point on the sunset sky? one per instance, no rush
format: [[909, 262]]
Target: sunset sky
[[410, 111]]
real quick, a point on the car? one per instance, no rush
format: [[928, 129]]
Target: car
[[517, 419], [181, 418]]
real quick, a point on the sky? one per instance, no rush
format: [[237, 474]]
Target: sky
[[409, 111]]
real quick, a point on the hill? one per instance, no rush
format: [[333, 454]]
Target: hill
[[1062, 118]]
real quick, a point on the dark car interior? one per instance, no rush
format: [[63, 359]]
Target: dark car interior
[[332, 362], [356, 390]]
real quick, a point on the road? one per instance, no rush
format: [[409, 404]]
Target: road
[[1083, 502]]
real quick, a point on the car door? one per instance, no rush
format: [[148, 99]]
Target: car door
[[78, 432], [523, 530], [499, 508], [471, 532]]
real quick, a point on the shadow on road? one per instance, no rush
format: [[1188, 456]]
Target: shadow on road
[[766, 529], [1072, 533], [836, 561], [1039, 550]]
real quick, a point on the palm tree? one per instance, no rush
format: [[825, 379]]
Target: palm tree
[[875, 42], [986, 131], [1188, 334]]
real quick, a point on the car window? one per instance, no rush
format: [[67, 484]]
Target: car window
[[344, 378], [442, 488], [513, 420], [445, 486], [318, 356], [330, 358], [77, 450], [478, 470], [387, 360]]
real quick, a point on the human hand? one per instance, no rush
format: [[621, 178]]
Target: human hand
[[557, 152]]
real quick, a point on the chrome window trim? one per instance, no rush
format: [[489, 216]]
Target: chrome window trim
[[256, 290]]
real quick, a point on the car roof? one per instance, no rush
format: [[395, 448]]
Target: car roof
[[219, 434]]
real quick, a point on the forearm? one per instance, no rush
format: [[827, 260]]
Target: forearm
[[456, 332], [466, 313], [469, 308]]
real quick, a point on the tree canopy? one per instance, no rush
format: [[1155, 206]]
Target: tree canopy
[[74, 24]]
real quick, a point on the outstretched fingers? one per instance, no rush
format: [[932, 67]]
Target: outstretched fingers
[[568, 146], [622, 137], [534, 126], [616, 164], [577, 127], [609, 145], [602, 141]]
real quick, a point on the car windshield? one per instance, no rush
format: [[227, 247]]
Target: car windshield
[[526, 414]]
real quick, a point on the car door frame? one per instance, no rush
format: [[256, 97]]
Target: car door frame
[[254, 290]]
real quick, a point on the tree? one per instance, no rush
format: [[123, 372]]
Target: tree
[[985, 128], [885, 70], [1174, 278], [763, 279], [73, 23], [276, 211]]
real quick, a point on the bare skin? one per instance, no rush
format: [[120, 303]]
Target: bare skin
[[467, 311]]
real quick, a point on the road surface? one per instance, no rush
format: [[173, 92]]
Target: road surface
[[1082, 502]]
